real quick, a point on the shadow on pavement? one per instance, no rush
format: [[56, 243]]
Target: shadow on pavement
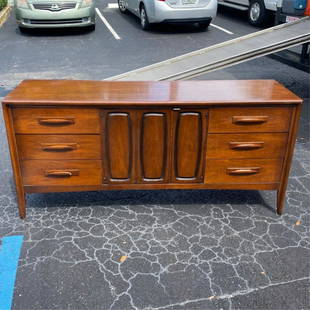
[[52, 32], [146, 197]]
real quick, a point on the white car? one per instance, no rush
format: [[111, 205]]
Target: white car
[[171, 11], [259, 11]]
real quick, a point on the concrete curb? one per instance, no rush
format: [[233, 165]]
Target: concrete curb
[[4, 14]]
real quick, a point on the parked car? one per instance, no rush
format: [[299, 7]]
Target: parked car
[[171, 11], [54, 13], [260, 12]]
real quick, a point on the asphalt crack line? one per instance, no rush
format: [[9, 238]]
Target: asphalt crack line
[[229, 296]]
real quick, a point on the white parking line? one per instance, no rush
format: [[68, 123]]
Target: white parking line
[[115, 35], [112, 5], [115, 6], [220, 28]]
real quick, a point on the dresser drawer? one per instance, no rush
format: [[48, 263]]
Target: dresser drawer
[[56, 120], [70, 173], [247, 145], [238, 171], [59, 146], [250, 119]]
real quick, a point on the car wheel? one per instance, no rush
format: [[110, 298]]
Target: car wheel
[[257, 13], [204, 25], [145, 24], [122, 6]]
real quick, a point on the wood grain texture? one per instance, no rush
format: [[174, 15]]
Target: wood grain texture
[[276, 119], [21, 197], [39, 172], [263, 171], [246, 145], [189, 134], [35, 120], [68, 92], [119, 146], [149, 186], [288, 159], [154, 146], [59, 146], [92, 135]]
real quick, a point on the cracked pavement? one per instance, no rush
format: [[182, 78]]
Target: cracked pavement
[[185, 250], [191, 249]]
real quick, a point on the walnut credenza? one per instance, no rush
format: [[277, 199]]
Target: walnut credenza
[[88, 135]]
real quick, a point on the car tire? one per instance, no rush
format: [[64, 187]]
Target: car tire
[[121, 6], [203, 26], [144, 20], [257, 13]]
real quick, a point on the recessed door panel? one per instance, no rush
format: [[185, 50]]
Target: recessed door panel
[[189, 137], [119, 147], [153, 146]]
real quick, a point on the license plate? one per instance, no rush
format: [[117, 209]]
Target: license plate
[[291, 19], [189, 1]]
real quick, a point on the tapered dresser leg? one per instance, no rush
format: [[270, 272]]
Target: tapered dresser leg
[[21, 200], [21, 197], [280, 201], [288, 159]]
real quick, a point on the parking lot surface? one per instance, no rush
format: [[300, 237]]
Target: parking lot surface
[[97, 55], [167, 249]]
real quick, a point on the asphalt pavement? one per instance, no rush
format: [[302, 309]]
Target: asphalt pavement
[[97, 55], [184, 250]]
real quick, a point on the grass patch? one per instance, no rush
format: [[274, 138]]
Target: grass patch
[[3, 4]]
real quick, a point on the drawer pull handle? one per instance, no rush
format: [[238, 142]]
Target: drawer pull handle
[[243, 171], [62, 173], [245, 145], [58, 147], [249, 119], [56, 121]]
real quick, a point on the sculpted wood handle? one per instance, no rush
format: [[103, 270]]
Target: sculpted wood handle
[[246, 145], [243, 171], [56, 121], [58, 146], [249, 119], [62, 173]]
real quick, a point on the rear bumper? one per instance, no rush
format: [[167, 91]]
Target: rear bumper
[[188, 20], [163, 12], [27, 18]]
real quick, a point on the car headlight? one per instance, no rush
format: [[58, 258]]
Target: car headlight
[[86, 3], [22, 4]]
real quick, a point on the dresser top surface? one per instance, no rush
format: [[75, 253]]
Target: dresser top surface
[[83, 92]]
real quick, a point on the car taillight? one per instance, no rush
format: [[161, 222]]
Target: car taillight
[[307, 10]]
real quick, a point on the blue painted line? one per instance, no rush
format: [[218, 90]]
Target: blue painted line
[[9, 254]]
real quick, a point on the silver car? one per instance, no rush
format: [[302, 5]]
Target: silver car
[[54, 13], [171, 11]]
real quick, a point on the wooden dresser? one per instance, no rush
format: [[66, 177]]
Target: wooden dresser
[[88, 135]]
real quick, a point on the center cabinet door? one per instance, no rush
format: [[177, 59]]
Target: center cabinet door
[[154, 147], [189, 145], [118, 146]]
